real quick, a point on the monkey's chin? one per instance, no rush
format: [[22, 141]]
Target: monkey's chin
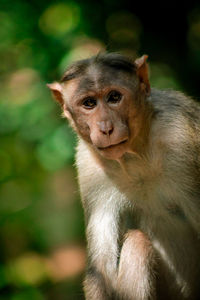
[[114, 152]]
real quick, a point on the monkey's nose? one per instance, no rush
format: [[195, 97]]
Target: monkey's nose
[[106, 127]]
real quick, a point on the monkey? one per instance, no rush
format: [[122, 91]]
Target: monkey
[[138, 162]]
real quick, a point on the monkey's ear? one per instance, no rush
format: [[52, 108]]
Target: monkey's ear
[[66, 113], [56, 90], [142, 73]]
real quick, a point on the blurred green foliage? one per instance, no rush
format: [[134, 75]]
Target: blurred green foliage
[[41, 220]]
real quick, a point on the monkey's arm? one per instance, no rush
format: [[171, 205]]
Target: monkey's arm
[[101, 202], [102, 237]]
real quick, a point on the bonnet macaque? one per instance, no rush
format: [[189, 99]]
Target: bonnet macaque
[[138, 160]]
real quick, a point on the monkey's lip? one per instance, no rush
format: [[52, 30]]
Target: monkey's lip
[[113, 145]]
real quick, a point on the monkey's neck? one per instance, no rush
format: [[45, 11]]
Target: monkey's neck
[[123, 166]]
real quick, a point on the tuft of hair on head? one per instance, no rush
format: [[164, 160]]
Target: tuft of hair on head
[[75, 69], [113, 60], [116, 60]]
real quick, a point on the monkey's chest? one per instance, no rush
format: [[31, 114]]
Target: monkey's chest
[[156, 201], [161, 216]]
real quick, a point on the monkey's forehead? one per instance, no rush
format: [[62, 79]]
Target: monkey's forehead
[[96, 80]]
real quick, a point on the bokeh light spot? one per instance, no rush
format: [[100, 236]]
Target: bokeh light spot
[[163, 77], [124, 28], [27, 270], [66, 262], [21, 85], [56, 149], [59, 19]]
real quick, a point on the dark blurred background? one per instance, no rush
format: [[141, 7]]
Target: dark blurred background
[[42, 244]]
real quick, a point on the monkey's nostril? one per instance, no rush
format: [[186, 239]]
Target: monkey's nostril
[[110, 131], [106, 127], [107, 131]]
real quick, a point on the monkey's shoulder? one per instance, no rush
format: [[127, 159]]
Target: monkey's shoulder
[[176, 120], [173, 104]]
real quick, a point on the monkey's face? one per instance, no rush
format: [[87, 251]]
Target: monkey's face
[[102, 116], [103, 104], [101, 119]]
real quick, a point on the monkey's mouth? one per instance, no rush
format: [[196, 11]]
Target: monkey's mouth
[[113, 145]]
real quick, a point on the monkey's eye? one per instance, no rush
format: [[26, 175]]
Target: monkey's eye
[[89, 102], [114, 97]]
